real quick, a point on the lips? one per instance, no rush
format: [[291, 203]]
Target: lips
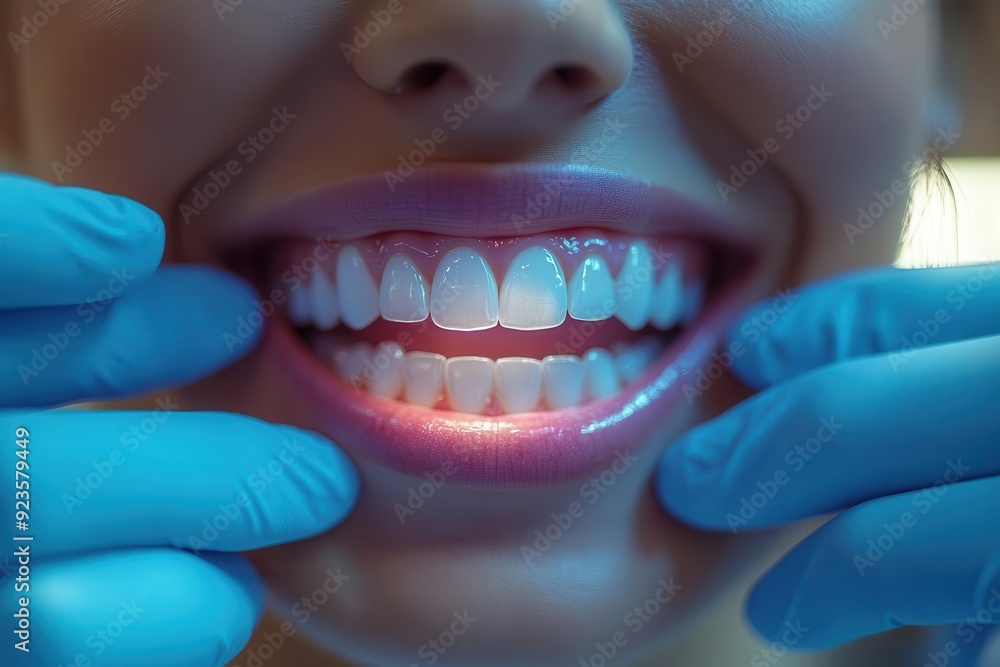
[[520, 358]]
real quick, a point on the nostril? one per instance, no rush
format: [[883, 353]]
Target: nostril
[[575, 78], [424, 76]]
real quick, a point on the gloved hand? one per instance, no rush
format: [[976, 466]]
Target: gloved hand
[[880, 398], [131, 512]]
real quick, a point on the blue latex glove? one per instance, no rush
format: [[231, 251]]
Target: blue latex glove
[[131, 511], [878, 390]]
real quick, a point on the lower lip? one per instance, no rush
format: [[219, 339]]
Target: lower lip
[[532, 449]]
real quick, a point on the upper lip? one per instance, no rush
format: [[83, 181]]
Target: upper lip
[[487, 201]]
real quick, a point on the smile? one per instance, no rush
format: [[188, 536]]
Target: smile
[[494, 340]]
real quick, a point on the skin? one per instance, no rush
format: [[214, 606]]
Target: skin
[[685, 128]]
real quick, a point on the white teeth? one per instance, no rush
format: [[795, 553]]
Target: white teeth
[[356, 289], [562, 381], [668, 301], [387, 368], [464, 292], [633, 361], [351, 363], [403, 296], [602, 374], [533, 295], [323, 297], [469, 381], [518, 383], [592, 291], [423, 378], [299, 305], [635, 287]]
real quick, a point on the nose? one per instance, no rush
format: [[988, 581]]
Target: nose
[[523, 53]]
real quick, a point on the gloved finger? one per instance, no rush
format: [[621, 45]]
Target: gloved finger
[[909, 559], [61, 246], [871, 312], [155, 607], [180, 325], [838, 436], [200, 481]]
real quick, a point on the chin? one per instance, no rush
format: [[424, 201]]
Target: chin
[[506, 392]]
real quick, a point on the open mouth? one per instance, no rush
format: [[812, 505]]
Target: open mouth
[[423, 325], [497, 326]]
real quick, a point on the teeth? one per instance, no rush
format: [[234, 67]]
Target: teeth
[[635, 287], [300, 305], [387, 363], [464, 292], [423, 378], [356, 289], [633, 361], [602, 374], [518, 383], [323, 298], [351, 362], [562, 379], [592, 291], [403, 296], [668, 302], [533, 295], [469, 381]]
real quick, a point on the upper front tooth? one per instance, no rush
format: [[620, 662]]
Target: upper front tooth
[[464, 292], [668, 302], [592, 291], [356, 288], [403, 296], [469, 381], [635, 287], [518, 383], [423, 378], [533, 295], [323, 297]]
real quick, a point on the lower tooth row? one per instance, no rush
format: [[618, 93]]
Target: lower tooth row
[[474, 384]]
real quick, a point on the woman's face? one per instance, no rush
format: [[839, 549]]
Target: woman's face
[[728, 142]]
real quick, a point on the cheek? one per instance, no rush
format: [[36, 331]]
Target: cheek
[[839, 100]]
